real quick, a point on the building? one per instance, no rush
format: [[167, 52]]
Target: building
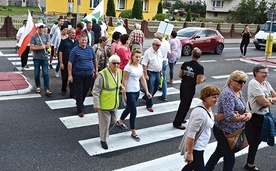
[[23, 3], [219, 9], [87, 6]]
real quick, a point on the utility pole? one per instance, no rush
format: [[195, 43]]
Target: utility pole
[[78, 10]]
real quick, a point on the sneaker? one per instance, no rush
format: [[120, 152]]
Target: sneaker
[[57, 74], [81, 114], [26, 66], [162, 98], [135, 137], [51, 66], [22, 69], [246, 167], [123, 126]]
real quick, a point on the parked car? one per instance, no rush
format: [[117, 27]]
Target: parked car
[[206, 39]]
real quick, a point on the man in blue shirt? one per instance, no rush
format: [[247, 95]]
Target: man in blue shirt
[[83, 65]]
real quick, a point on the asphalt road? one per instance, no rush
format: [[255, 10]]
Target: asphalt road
[[36, 132]]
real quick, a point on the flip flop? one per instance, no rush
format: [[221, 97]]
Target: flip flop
[[37, 90]]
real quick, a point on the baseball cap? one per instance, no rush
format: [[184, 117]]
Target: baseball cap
[[158, 35], [40, 24]]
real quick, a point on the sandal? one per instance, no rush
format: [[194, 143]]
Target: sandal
[[136, 137], [48, 92], [37, 90]]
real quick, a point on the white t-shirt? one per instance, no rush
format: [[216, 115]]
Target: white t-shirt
[[255, 89], [103, 28], [19, 34], [120, 29], [198, 117], [135, 73], [165, 48]]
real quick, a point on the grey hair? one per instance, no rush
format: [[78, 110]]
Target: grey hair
[[258, 67], [137, 26], [114, 58]]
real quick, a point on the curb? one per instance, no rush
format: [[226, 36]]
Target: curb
[[20, 91], [255, 63]]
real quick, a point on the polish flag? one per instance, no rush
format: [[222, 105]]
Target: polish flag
[[29, 31]]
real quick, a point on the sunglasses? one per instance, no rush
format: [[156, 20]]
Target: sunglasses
[[157, 45], [41, 27], [240, 81], [114, 63]]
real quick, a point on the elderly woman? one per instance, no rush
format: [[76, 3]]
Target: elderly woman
[[133, 73], [198, 133], [233, 105], [260, 97], [106, 97]]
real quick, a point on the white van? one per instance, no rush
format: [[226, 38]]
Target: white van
[[260, 38]]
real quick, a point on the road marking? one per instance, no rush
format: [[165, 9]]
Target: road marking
[[226, 76], [68, 103], [24, 96], [233, 59], [1, 54], [176, 162], [206, 61], [15, 54], [31, 62], [92, 118], [123, 140], [232, 48]]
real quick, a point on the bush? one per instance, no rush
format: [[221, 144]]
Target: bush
[[137, 10], [161, 17], [126, 14]]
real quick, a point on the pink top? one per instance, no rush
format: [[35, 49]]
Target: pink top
[[124, 53], [115, 47]]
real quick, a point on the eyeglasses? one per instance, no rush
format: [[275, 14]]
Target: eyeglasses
[[114, 63], [157, 45], [41, 27], [266, 73], [240, 81]]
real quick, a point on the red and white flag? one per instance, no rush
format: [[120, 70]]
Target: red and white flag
[[29, 31]]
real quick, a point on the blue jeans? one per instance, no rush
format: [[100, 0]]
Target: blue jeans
[[222, 150], [132, 98], [197, 164], [82, 85], [153, 84], [164, 84], [171, 66], [57, 67], [44, 64]]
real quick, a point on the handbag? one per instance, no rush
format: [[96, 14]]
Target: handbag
[[237, 140]]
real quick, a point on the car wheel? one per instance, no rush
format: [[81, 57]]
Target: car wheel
[[219, 49], [257, 47], [186, 50]]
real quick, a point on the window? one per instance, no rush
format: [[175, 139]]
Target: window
[[94, 3], [218, 3], [201, 34], [211, 33], [121, 4], [145, 5]]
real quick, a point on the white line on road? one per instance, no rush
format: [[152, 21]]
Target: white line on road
[[207, 61], [226, 76], [123, 140], [233, 59], [67, 103], [175, 162], [92, 118], [24, 96], [31, 63]]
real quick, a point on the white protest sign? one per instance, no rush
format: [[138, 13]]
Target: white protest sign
[[165, 28]]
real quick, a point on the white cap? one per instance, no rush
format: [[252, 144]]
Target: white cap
[[40, 24], [166, 20]]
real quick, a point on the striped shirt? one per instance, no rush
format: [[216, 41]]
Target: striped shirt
[[82, 60]]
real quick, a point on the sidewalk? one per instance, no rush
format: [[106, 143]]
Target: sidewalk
[[13, 83]]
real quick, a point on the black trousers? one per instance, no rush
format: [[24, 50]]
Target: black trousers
[[197, 164], [64, 77], [243, 44], [186, 97], [24, 56]]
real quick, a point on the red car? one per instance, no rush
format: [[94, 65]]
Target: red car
[[208, 40]]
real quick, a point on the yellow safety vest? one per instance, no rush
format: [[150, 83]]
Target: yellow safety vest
[[109, 97]]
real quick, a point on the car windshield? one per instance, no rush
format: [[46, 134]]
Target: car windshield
[[186, 32], [266, 27]]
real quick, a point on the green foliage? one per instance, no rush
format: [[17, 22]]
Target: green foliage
[[166, 4], [110, 10], [244, 14], [160, 8], [189, 15], [126, 13], [137, 10], [160, 17], [17, 11]]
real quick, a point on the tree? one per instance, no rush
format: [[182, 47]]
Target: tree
[[166, 4], [110, 10], [160, 8], [250, 11], [189, 15], [137, 10]]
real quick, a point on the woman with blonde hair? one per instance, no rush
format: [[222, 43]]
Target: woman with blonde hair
[[133, 72], [233, 105]]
